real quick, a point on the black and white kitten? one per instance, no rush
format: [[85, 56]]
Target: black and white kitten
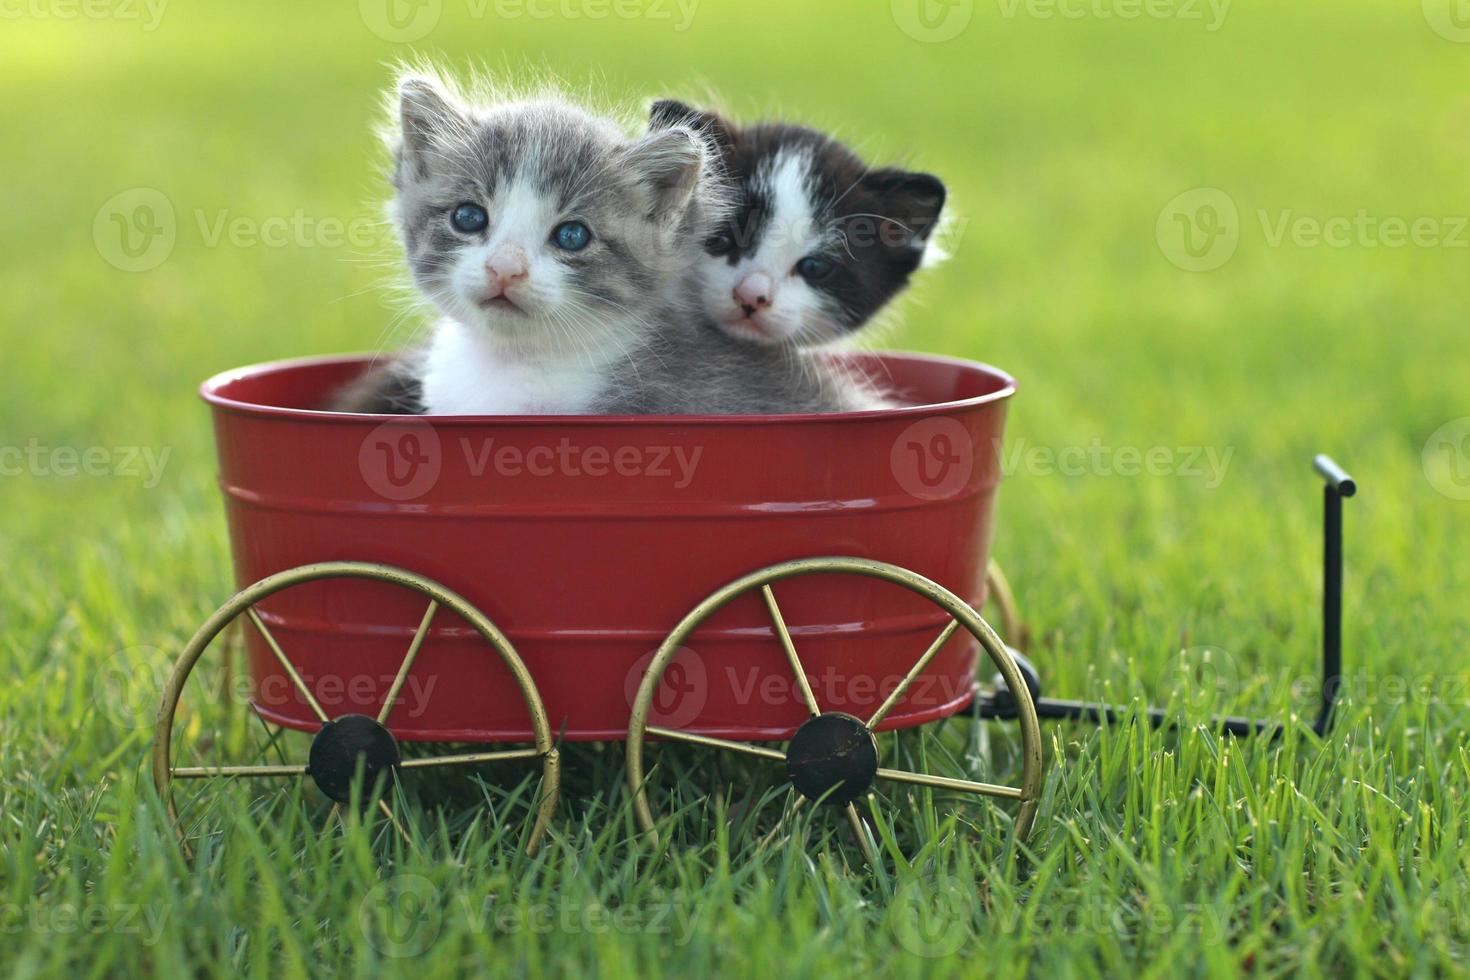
[[817, 243], [565, 259]]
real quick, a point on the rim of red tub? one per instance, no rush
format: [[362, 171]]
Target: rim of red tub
[[210, 391]]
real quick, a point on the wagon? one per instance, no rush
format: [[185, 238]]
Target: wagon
[[782, 587]]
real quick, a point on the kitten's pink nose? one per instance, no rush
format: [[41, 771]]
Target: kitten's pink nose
[[506, 268], [755, 292]]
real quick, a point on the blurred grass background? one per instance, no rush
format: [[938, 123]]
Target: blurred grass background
[[1062, 139]]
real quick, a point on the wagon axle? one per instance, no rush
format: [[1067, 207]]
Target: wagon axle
[[347, 746], [832, 758]]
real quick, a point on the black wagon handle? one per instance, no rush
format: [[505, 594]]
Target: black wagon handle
[[1337, 485]]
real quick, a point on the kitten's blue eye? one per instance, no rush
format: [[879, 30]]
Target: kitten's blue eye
[[469, 218], [571, 235], [813, 268]]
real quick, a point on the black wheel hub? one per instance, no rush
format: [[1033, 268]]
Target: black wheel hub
[[833, 754], [1002, 701], [342, 746]]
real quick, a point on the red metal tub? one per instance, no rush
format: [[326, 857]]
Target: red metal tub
[[586, 539]]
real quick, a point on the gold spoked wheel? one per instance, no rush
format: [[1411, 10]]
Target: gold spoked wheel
[[352, 744], [833, 757], [998, 590]]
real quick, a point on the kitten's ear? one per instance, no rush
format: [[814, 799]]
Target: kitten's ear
[[668, 164], [426, 114], [909, 201], [667, 113]]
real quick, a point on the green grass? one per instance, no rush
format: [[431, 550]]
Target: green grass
[[1062, 139]]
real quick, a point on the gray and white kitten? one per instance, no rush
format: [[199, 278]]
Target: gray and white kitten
[[565, 258]]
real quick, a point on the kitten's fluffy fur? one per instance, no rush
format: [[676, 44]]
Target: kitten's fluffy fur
[[817, 242], [615, 327]]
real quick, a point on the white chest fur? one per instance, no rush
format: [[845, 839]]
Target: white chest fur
[[465, 372]]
